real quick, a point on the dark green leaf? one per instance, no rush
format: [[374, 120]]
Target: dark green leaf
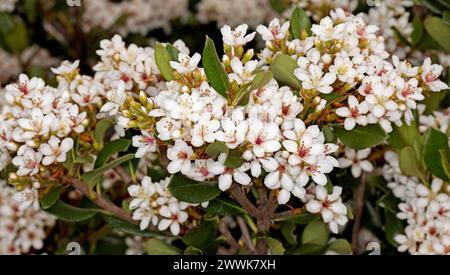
[[92, 177], [126, 227], [444, 155], [393, 227], [214, 70], [283, 67], [216, 148], [434, 100], [341, 246], [303, 218], [224, 207], [300, 24], [100, 131], [330, 137], [234, 159], [157, 247], [278, 5], [316, 232], [275, 246], [310, 249], [446, 17], [417, 32], [260, 80], [191, 191], [434, 141], [361, 137], [203, 236], [51, 197], [404, 135], [111, 148], [162, 59], [70, 213], [288, 232], [173, 52], [409, 163], [439, 31], [190, 250], [433, 5]]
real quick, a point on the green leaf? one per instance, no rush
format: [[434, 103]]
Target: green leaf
[[115, 146], [330, 137], [70, 213], [162, 59], [434, 141], [92, 177], [361, 137], [446, 17], [409, 163], [288, 232], [278, 5], [234, 159], [190, 250], [17, 39], [224, 207], [341, 246], [214, 70], [275, 246], [316, 232], [433, 5], [300, 24], [445, 161], [173, 51], [216, 148], [203, 236], [260, 80], [100, 131], [417, 32], [404, 135], [157, 247], [393, 227], [283, 67], [433, 101], [31, 10], [439, 31], [303, 218], [310, 249], [126, 227], [389, 202], [51, 197], [191, 191]]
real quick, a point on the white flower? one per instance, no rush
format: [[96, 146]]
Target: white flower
[[186, 63], [116, 99], [242, 73], [274, 31], [314, 79], [145, 215], [146, 143], [354, 114], [343, 68], [173, 216], [264, 138], [228, 174], [327, 31], [27, 161], [430, 76], [55, 150], [357, 161], [236, 37], [26, 198], [141, 193], [204, 131], [36, 124], [66, 68], [179, 156], [380, 100], [330, 207]]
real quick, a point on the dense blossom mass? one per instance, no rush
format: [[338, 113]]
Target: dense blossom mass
[[169, 139]]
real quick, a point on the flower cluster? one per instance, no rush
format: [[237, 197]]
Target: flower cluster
[[345, 57], [426, 209], [153, 204], [139, 16], [21, 229]]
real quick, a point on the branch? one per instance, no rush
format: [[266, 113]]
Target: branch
[[223, 228], [245, 234], [359, 209], [242, 199]]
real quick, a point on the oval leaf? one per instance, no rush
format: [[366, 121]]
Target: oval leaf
[[300, 24], [191, 191], [316, 232], [51, 197], [157, 247], [439, 31], [433, 142], [70, 213], [283, 67], [361, 137], [214, 70], [162, 59]]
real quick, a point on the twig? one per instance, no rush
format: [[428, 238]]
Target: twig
[[240, 197], [359, 209], [223, 228], [245, 234]]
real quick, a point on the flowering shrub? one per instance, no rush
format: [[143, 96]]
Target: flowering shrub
[[310, 131]]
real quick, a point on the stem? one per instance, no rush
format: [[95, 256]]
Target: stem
[[101, 202], [359, 209], [242, 199], [223, 228], [245, 234]]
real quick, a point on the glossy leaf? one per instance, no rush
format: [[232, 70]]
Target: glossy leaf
[[70, 213], [162, 59], [283, 67], [361, 137], [191, 191], [214, 70]]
